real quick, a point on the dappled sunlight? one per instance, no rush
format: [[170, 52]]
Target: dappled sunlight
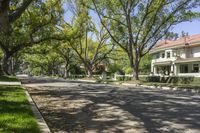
[[108, 113], [107, 108]]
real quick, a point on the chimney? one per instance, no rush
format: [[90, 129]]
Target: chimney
[[165, 41], [185, 39]]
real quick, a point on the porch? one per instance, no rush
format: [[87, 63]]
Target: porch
[[177, 68], [163, 68]]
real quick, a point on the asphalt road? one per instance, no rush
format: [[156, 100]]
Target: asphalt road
[[72, 106]]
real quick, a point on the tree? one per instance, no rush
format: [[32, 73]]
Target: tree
[[145, 64], [118, 62], [9, 13], [41, 60], [90, 43], [25, 26], [137, 25], [91, 53], [68, 56]]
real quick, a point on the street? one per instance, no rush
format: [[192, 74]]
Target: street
[[74, 106]]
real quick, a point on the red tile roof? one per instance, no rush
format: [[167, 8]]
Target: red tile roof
[[179, 42]]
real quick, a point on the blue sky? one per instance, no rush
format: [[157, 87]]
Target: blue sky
[[192, 27]]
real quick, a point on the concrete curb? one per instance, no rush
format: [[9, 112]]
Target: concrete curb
[[40, 120], [10, 83], [165, 88], [83, 80]]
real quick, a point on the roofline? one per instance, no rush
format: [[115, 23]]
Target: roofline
[[187, 60], [193, 44]]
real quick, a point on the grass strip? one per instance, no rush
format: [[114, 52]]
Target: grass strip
[[16, 115]]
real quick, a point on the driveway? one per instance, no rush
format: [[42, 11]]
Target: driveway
[[80, 107]]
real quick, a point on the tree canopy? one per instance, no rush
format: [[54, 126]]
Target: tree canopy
[[97, 33]]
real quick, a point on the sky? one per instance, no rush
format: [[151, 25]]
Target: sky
[[192, 27]]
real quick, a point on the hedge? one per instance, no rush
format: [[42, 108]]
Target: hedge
[[173, 79]]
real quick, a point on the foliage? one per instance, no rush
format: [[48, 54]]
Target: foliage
[[41, 60], [136, 26], [34, 25], [8, 78], [118, 61], [173, 79], [89, 42], [145, 64]]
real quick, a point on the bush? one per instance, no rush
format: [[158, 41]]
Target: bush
[[128, 70], [173, 79], [153, 79], [124, 78]]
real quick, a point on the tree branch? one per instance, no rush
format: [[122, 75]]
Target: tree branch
[[18, 12]]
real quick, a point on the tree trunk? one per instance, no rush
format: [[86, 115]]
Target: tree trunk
[[66, 74], [5, 65], [4, 17], [136, 68], [136, 72], [89, 72]]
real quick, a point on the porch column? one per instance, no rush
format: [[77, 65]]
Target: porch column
[[154, 70], [175, 69], [152, 67], [171, 70]]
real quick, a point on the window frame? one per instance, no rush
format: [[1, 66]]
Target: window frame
[[163, 55], [197, 67], [168, 54]]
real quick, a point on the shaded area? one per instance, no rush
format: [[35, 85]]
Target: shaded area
[[8, 78], [107, 108], [15, 112], [35, 80]]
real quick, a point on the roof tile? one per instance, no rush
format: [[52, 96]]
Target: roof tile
[[181, 41]]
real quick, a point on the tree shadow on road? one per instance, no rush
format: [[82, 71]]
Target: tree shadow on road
[[102, 108]]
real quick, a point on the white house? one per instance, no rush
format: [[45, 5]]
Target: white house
[[180, 57]]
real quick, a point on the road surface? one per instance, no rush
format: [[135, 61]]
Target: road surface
[[80, 107]]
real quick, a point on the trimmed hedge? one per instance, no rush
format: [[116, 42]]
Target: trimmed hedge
[[173, 79], [124, 78]]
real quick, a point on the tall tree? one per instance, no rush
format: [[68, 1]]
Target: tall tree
[[92, 53], [69, 57], [137, 25], [27, 26], [90, 43]]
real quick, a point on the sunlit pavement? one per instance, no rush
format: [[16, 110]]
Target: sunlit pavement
[[87, 107]]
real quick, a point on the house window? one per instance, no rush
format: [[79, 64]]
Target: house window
[[157, 56], [163, 55], [178, 53], [195, 67], [183, 68], [168, 54]]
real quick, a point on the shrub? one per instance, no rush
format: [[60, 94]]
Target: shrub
[[173, 79], [153, 79], [124, 78]]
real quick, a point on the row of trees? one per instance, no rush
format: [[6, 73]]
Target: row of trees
[[96, 31]]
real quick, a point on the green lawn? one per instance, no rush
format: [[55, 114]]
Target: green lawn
[[15, 112], [8, 78]]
